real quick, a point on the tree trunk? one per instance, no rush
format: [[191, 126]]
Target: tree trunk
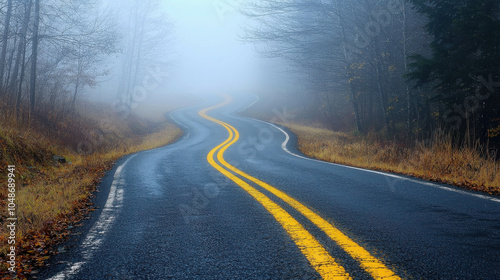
[[133, 46], [382, 96], [75, 92], [20, 89], [354, 99], [21, 47], [355, 106], [34, 56], [384, 100], [138, 55], [9, 66], [409, 99], [5, 42]]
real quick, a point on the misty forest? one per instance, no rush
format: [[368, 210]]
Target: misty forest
[[54, 50], [404, 86], [407, 68]]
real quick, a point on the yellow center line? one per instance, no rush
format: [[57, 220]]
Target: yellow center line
[[371, 264], [315, 253]]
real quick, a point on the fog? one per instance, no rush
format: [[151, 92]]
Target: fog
[[371, 66], [203, 55], [209, 55]]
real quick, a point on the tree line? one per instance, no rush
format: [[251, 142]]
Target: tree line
[[52, 50], [405, 67]]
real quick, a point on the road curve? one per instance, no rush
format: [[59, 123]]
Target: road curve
[[231, 201]]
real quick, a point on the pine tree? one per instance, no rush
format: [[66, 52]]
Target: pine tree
[[465, 61]]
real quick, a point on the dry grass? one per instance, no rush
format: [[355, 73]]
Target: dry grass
[[51, 196], [54, 189], [439, 161]]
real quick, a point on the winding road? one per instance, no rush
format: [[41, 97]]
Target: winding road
[[235, 199]]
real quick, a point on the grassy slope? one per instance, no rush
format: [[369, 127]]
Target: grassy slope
[[438, 162], [51, 197]]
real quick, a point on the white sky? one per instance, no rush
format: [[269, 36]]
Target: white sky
[[208, 57], [208, 53]]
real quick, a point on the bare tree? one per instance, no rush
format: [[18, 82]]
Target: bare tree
[[60, 45], [34, 56], [354, 49], [5, 43], [19, 64], [148, 33]]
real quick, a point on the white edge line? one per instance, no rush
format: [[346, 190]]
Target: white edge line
[[97, 233], [257, 98], [188, 133], [419, 181], [180, 124]]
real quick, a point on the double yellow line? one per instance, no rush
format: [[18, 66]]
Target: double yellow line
[[317, 255]]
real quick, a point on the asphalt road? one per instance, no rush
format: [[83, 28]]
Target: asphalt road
[[255, 208]]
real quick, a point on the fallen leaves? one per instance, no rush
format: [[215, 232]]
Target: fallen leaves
[[38, 246], [66, 191]]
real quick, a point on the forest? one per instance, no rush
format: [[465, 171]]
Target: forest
[[408, 87], [52, 51], [409, 69], [412, 69]]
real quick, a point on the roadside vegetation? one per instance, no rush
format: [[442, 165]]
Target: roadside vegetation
[[55, 55], [397, 73], [438, 159], [420, 90], [58, 166]]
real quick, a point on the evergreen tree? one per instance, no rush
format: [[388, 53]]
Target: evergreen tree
[[465, 63]]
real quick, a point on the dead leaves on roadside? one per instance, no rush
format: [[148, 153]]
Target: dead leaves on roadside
[[36, 247]]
